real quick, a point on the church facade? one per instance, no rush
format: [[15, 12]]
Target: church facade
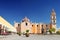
[[35, 28]]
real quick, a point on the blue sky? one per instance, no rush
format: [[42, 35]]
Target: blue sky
[[35, 10]]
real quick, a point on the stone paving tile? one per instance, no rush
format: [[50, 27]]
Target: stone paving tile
[[31, 37]]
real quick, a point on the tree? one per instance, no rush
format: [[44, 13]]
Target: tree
[[52, 30]]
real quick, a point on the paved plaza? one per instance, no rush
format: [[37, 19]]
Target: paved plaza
[[31, 37]]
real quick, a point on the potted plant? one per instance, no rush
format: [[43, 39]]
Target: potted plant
[[23, 33], [19, 33], [27, 33]]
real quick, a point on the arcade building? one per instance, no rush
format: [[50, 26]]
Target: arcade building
[[5, 27]]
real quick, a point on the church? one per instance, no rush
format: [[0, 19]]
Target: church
[[36, 28]]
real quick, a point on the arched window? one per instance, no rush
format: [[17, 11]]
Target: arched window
[[22, 20], [42, 25], [0, 26], [37, 25], [32, 25], [46, 25], [26, 24], [18, 25]]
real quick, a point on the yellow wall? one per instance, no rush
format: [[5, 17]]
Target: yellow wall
[[33, 29], [7, 24]]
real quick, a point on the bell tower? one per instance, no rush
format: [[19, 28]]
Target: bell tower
[[53, 19]]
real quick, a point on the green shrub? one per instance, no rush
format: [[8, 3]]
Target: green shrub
[[52, 30], [19, 33], [58, 32], [27, 31]]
